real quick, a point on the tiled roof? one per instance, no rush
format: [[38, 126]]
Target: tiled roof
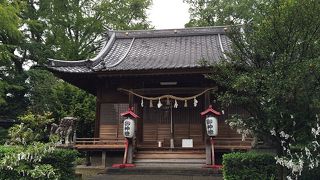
[[151, 50]]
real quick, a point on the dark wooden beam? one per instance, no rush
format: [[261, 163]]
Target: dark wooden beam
[[172, 90], [155, 72], [131, 100]]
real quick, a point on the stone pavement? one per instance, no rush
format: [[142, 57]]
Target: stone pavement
[[153, 177], [157, 173]]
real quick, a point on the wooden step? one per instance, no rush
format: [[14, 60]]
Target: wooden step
[[146, 147], [169, 156], [172, 152], [170, 161], [171, 165]]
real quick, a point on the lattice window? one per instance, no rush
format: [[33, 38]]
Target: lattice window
[[110, 113]]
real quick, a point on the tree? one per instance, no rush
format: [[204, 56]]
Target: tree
[[11, 89], [273, 72], [75, 36], [32, 31], [71, 30], [71, 101], [9, 22], [75, 27], [126, 14], [224, 12], [20, 43]]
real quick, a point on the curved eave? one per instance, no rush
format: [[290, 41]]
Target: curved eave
[[70, 69], [81, 66], [134, 72], [155, 72]]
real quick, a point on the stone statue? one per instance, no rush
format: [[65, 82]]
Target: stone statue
[[65, 130]]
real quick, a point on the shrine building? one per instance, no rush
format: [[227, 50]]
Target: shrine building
[[161, 75]]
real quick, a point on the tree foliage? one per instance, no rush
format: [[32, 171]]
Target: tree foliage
[[11, 88], [75, 27], [126, 14], [9, 23], [47, 94], [274, 73], [224, 12], [71, 101], [32, 31]]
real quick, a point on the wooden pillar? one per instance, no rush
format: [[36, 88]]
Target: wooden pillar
[[98, 105], [88, 158], [171, 127], [130, 152], [130, 145], [97, 122], [139, 124], [207, 138], [104, 158], [131, 103]]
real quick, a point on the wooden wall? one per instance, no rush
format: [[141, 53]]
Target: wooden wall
[[225, 130], [154, 124], [187, 124], [111, 121]]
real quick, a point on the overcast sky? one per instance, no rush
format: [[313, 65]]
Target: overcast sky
[[168, 14]]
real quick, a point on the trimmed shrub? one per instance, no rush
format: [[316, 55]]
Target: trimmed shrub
[[4, 174], [64, 161], [3, 135], [60, 160], [310, 174], [249, 166]]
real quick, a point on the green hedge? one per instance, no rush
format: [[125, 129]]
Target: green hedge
[[310, 174], [4, 174], [62, 160], [249, 166], [3, 135]]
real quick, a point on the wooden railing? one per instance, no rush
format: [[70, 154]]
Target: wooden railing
[[221, 143], [229, 143], [99, 143]]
